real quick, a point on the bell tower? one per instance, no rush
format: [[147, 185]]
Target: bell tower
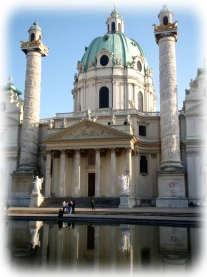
[[171, 176], [34, 50]]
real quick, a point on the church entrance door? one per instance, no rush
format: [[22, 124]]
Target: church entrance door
[[91, 184], [1, 183]]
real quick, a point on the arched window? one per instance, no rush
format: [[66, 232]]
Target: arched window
[[165, 20], [140, 101], [113, 27], [205, 92], [32, 36], [143, 164], [119, 27], [104, 97], [2, 106]]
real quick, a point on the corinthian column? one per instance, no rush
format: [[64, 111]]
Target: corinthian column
[[48, 176], [62, 174], [113, 172], [97, 173], [77, 173]]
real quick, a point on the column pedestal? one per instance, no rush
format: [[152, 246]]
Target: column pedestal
[[171, 190]]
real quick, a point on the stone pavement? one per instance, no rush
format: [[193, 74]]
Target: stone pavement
[[148, 215]]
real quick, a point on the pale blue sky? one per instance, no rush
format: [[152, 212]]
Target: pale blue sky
[[68, 29]]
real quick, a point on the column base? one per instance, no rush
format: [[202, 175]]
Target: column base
[[36, 200], [171, 189], [172, 202], [126, 202]]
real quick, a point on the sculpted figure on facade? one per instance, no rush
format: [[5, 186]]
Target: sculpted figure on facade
[[128, 119], [51, 123], [117, 61], [64, 123], [113, 120], [37, 184], [124, 184]]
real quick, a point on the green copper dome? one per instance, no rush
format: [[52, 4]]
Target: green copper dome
[[123, 48], [164, 9], [34, 27]]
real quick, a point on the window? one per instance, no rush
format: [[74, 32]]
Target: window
[[104, 97], [142, 130], [165, 20], [205, 92], [2, 106], [1, 136], [113, 27], [139, 66], [140, 101], [104, 60], [32, 36], [143, 164]]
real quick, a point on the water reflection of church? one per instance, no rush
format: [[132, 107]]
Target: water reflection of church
[[103, 247], [113, 127]]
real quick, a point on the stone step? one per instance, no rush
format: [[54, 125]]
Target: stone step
[[82, 202]]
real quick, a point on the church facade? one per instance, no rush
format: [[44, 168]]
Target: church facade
[[113, 130]]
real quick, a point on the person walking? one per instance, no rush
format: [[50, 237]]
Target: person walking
[[7, 206], [2, 209], [93, 204]]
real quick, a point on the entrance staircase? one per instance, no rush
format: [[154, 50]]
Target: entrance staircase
[[82, 202]]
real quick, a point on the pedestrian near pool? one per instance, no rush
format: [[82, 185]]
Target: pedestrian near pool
[[7, 206], [73, 207], [2, 209], [64, 206], [93, 205], [60, 213]]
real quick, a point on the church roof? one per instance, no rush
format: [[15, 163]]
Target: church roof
[[123, 48], [34, 27]]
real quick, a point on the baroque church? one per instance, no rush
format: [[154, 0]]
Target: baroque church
[[113, 130]]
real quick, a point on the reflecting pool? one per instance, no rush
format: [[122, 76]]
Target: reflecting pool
[[94, 247]]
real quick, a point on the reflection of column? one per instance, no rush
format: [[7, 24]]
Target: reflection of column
[[129, 167], [75, 247], [113, 172], [113, 248], [96, 248], [34, 227], [77, 173], [59, 248], [97, 173], [45, 241], [62, 174], [48, 177]]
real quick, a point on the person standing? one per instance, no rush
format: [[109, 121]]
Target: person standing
[[73, 207], [7, 208], [64, 206], [93, 204], [60, 213], [2, 209]]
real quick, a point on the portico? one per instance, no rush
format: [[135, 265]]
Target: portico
[[88, 160]]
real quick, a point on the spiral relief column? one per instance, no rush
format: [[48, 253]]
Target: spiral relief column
[[34, 50], [171, 182]]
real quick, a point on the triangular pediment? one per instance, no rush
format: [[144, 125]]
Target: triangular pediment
[[87, 130]]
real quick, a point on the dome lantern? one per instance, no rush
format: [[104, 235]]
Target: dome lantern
[[115, 23]]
